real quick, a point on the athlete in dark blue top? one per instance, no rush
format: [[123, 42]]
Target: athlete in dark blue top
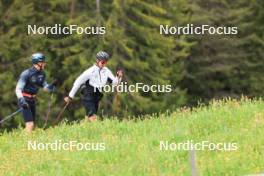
[[27, 87]]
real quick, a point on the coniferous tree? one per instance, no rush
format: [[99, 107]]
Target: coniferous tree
[[146, 55], [218, 65]]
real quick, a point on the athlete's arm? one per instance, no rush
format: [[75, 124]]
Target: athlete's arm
[[79, 81], [113, 79], [21, 84], [48, 87]]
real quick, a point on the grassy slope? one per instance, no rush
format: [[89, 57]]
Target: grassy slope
[[132, 148]]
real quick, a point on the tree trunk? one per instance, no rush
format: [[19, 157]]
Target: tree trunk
[[98, 12], [72, 9]]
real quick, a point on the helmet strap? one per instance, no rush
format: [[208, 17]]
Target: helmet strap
[[97, 62], [40, 66]]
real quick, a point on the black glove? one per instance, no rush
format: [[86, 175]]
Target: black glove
[[22, 103]]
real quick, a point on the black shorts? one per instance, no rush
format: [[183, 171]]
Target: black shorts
[[91, 102], [29, 113]]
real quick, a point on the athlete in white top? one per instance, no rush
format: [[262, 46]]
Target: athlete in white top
[[94, 78], [97, 78]]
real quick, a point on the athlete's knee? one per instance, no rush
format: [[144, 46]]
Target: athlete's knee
[[30, 126]]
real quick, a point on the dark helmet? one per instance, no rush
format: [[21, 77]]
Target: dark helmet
[[102, 55], [37, 57]]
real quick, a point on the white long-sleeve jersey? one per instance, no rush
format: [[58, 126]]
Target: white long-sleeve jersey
[[97, 78]]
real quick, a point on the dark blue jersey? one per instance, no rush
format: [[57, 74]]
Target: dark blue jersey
[[30, 81]]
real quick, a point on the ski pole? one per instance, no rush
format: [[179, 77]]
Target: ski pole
[[11, 115], [59, 114], [49, 110], [54, 83]]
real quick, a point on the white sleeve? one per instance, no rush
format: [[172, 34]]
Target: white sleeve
[[21, 84], [114, 79], [79, 81], [19, 87]]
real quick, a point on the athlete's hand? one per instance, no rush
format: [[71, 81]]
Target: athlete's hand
[[22, 103], [67, 99], [119, 73], [51, 88]]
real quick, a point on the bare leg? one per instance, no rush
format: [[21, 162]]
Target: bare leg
[[91, 118], [29, 126]]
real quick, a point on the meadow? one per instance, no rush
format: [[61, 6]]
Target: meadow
[[132, 147]]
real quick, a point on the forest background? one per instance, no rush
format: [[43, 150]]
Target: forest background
[[199, 67]]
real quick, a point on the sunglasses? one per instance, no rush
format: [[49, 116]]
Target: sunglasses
[[103, 62]]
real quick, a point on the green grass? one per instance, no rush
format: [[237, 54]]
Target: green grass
[[133, 147]]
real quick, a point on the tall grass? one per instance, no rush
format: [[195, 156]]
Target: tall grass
[[133, 147]]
